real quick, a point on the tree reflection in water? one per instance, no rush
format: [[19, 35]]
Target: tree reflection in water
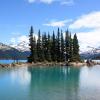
[[59, 83]]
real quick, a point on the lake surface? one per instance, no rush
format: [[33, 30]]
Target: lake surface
[[54, 83], [10, 61]]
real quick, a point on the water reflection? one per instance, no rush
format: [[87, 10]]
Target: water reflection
[[89, 83], [59, 83], [47, 75], [21, 76], [66, 70], [90, 77], [50, 83]]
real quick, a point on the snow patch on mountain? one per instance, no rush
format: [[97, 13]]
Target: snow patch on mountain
[[91, 50], [21, 43], [22, 46], [4, 47]]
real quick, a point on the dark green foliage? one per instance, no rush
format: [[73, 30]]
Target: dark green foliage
[[31, 44], [76, 56], [53, 48], [62, 48], [40, 52], [35, 57], [67, 45], [58, 46], [44, 45], [49, 48], [70, 48]]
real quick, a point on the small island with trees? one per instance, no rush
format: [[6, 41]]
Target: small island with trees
[[53, 48]]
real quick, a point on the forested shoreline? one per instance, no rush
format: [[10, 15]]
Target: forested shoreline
[[53, 47]]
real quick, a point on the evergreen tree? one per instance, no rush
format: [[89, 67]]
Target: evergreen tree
[[76, 56], [58, 46], [42, 50], [70, 48], [35, 50], [62, 47], [31, 58], [44, 44], [53, 48], [39, 48], [49, 48], [67, 46]]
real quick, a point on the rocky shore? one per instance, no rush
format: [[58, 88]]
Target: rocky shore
[[13, 65], [48, 64]]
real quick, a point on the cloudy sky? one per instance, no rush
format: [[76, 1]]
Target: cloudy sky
[[80, 16]]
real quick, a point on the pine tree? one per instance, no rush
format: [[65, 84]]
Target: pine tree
[[39, 48], [35, 50], [49, 48], [70, 48], [31, 44], [58, 46], [45, 46], [62, 47], [67, 46], [76, 56], [42, 50], [53, 48]]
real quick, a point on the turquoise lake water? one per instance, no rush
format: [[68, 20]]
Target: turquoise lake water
[[54, 83], [10, 61]]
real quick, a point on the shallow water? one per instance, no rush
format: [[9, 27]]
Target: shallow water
[[54, 83], [10, 61]]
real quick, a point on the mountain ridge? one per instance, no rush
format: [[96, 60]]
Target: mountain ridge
[[9, 52]]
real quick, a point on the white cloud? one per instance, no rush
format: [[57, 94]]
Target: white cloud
[[91, 20], [67, 2], [47, 1], [58, 23], [91, 37], [12, 40], [31, 1], [21, 38], [42, 1]]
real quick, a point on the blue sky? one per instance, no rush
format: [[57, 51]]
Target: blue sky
[[16, 17]]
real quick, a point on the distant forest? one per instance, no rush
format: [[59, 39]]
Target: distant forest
[[53, 47]]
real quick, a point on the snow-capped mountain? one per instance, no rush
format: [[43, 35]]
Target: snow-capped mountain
[[21, 42], [4, 47], [8, 52], [92, 52], [22, 46]]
